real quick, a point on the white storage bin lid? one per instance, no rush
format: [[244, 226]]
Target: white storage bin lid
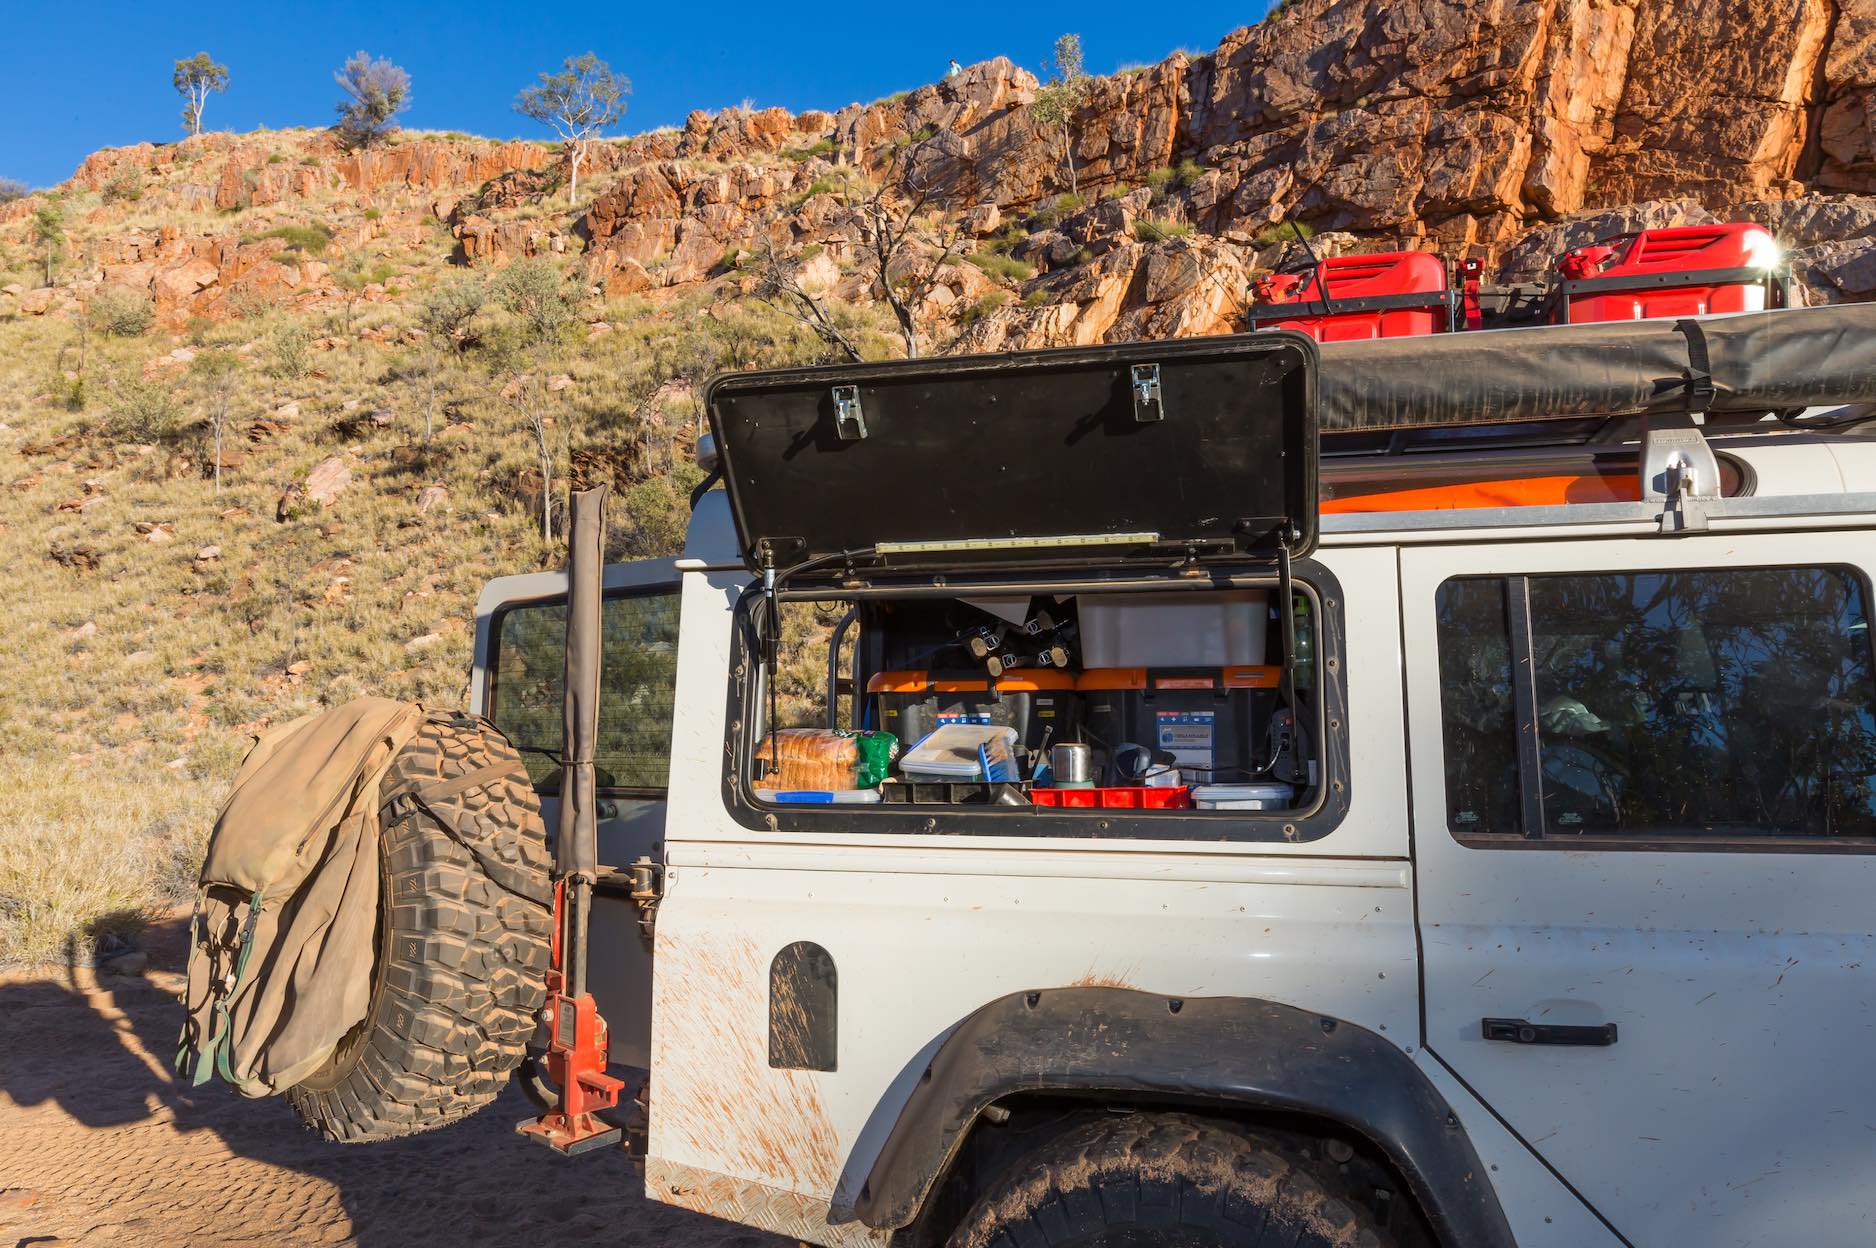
[[1243, 796]]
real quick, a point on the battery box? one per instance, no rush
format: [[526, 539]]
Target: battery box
[[1211, 720]]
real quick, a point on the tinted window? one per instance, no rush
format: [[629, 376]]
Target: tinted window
[[1721, 703], [638, 673]]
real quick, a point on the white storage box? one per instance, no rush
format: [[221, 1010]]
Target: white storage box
[[1203, 628], [1243, 796]]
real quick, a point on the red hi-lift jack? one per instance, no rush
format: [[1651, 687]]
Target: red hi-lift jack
[[576, 1048]]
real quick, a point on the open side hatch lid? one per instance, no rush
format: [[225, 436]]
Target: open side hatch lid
[[1111, 455]]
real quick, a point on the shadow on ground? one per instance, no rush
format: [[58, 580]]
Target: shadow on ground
[[99, 1144]]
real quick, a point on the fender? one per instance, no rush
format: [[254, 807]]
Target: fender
[[1220, 1049]]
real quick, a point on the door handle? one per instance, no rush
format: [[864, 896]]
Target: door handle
[[1517, 1031]]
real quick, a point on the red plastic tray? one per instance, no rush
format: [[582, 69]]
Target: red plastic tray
[[1130, 797]]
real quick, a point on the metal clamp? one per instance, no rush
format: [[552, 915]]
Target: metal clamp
[[849, 417], [1148, 401]]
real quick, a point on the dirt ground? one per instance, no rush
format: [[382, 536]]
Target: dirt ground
[[99, 1145]]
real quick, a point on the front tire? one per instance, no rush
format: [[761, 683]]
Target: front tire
[[1162, 1181]]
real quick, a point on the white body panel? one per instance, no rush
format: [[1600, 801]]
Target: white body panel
[[1730, 1109], [1729, 1112]]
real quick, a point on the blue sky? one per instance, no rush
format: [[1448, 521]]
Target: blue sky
[[84, 76]]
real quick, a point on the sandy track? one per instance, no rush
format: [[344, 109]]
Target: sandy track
[[100, 1146]]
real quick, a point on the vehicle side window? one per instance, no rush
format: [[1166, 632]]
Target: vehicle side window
[[638, 676], [1717, 704]]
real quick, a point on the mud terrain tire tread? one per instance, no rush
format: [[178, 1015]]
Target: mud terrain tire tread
[[1164, 1174], [463, 943]]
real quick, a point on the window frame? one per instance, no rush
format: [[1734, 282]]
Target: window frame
[[1230, 827], [1515, 586], [492, 682]]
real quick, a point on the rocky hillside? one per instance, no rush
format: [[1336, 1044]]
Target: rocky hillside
[[408, 351], [1457, 125]]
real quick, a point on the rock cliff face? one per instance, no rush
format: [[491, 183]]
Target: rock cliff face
[[1506, 129]]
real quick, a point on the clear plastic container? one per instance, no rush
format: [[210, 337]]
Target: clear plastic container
[[955, 752]]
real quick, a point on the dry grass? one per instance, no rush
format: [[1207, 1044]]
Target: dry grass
[[136, 670]]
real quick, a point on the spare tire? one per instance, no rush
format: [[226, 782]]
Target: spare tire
[[462, 946]]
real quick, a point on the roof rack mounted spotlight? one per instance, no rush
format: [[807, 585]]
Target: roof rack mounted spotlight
[[1055, 541]]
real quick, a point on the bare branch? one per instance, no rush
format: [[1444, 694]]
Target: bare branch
[[778, 284]]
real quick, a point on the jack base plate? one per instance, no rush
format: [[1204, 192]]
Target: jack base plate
[[552, 1131]]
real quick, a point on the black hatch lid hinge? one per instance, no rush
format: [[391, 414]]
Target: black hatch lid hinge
[[849, 416], [1149, 400]]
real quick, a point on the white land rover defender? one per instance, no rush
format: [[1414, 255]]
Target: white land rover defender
[[1465, 835]]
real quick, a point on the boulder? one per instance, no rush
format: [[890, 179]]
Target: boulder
[[327, 481]]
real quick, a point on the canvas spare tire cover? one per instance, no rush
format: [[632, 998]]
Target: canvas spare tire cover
[[462, 952]]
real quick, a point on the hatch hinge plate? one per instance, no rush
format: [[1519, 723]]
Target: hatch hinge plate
[[1148, 400], [849, 416]]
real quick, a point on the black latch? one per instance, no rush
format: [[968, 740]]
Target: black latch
[[1517, 1031]]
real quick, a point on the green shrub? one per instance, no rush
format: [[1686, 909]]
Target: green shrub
[[446, 312], [289, 348], [1007, 239], [998, 265], [983, 307], [924, 134], [311, 238], [1157, 182], [1151, 230], [535, 292], [123, 186], [278, 158], [1188, 171], [1051, 211], [140, 409], [120, 312], [1282, 232], [822, 148], [1036, 298], [372, 214]]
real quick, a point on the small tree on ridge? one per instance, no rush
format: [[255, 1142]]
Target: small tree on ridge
[[579, 103], [194, 79], [376, 92], [1055, 105]]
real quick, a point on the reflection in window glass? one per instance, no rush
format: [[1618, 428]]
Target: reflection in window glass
[[637, 675], [1481, 728], [1701, 703]]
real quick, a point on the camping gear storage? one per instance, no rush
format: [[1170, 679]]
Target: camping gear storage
[[1212, 722], [912, 705], [1219, 629], [1687, 270], [1390, 294]]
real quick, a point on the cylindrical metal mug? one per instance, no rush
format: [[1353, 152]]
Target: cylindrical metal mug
[[1072, 764]]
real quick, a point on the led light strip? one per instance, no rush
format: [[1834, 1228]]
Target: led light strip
[[1015, 543]]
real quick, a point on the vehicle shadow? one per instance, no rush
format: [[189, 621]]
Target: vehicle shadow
[[100, 1141]]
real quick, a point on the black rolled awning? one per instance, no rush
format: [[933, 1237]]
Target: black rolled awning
[[1753, 362]]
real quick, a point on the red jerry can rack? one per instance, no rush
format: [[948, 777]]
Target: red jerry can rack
[[1388, 294], [1686, 270]]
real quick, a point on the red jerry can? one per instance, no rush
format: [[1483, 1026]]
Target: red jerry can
[[1687, 270]]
